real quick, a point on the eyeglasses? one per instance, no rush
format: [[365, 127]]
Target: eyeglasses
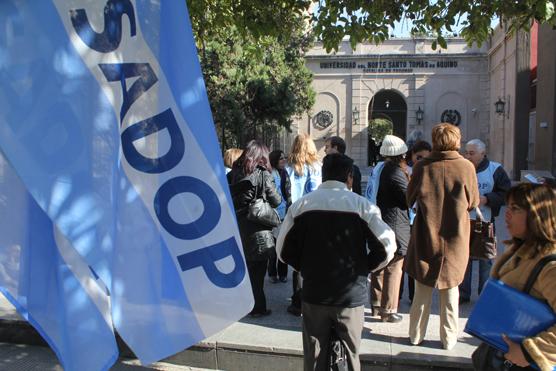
[[283, 158]]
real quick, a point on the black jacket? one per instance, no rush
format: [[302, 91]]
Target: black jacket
[[356, 187], [244, 190], [391, 200], [335, 238], [285, 187]]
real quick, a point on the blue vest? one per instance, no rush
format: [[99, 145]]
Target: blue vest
[[306, 182], [373, 182], [485, 179]]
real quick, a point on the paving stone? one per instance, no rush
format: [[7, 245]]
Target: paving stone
[[232, 360], [19, 357], [271, 343]]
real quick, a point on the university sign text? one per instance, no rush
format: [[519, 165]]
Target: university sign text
[[389, 66]]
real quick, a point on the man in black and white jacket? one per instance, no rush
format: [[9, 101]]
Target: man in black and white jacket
[[334, 238]]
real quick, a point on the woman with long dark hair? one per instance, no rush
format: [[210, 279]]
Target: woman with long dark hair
[[249, 178]]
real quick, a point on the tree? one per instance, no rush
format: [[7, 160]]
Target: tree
[[379, 128], [370, 20], [364, 20], [255, 85], [251, 50]]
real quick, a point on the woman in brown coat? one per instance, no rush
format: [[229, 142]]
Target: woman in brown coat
[[531, 221], [444, 186]]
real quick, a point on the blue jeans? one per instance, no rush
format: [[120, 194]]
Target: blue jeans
[[484, 273]]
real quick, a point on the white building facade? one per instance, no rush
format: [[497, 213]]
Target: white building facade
[[395, 80]]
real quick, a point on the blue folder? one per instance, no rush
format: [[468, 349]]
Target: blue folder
[[501, 309]]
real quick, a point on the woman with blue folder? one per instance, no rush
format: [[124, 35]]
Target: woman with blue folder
[[531, 221]]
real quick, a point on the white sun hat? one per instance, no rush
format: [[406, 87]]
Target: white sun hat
[[392, 146]]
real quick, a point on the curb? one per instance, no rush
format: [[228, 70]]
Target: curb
[[224, 355]]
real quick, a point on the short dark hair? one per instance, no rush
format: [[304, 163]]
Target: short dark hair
[[421, 146], [336, 166], [339, 143]]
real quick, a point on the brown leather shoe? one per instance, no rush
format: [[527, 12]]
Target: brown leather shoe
[[260, 314], [391, 317], [294, 310]]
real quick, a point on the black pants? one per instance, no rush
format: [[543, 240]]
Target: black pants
[[257, 272], [275, 267], [297, 284], [410, 285]]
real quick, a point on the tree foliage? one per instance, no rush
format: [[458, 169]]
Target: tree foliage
[[252, 50], [364, 20], [379, 128], [256, 85]]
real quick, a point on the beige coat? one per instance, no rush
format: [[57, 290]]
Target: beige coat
[[513, 268], [444, 186]]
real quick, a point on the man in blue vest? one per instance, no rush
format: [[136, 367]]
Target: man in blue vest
[[493, 185]]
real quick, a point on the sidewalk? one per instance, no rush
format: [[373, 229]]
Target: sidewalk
[[18, 357], [274, 343], [274, 339]]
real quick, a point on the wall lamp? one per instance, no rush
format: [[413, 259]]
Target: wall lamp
[[355, 115], [419, 115], [499, 106]]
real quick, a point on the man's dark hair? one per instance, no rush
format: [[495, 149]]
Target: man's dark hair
[[336, 166], [339, 143], [421, 146]]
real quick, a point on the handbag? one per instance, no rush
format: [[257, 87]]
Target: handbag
[[259, 245], [337, 355], [523, 316], [482, 242], [487, 358], [260, 210]]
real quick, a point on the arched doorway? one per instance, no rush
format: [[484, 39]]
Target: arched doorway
[[379, 126], [391, 104], [387, 115]]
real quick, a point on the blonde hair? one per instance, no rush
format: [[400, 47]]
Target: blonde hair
[[304, 152], [539, 201], [231, 155], [446, 137]]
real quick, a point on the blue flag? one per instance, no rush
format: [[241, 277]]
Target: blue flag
[[105, 119], [49, 283]]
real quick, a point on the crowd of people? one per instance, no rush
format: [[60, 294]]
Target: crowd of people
[[347, 248]]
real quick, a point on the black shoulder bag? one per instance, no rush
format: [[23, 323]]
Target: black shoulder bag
[[260, 210], [482, 242]]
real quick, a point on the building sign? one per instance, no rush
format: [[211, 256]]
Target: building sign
[[389, 66]]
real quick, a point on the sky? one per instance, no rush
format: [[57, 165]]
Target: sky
[[403, 29]]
